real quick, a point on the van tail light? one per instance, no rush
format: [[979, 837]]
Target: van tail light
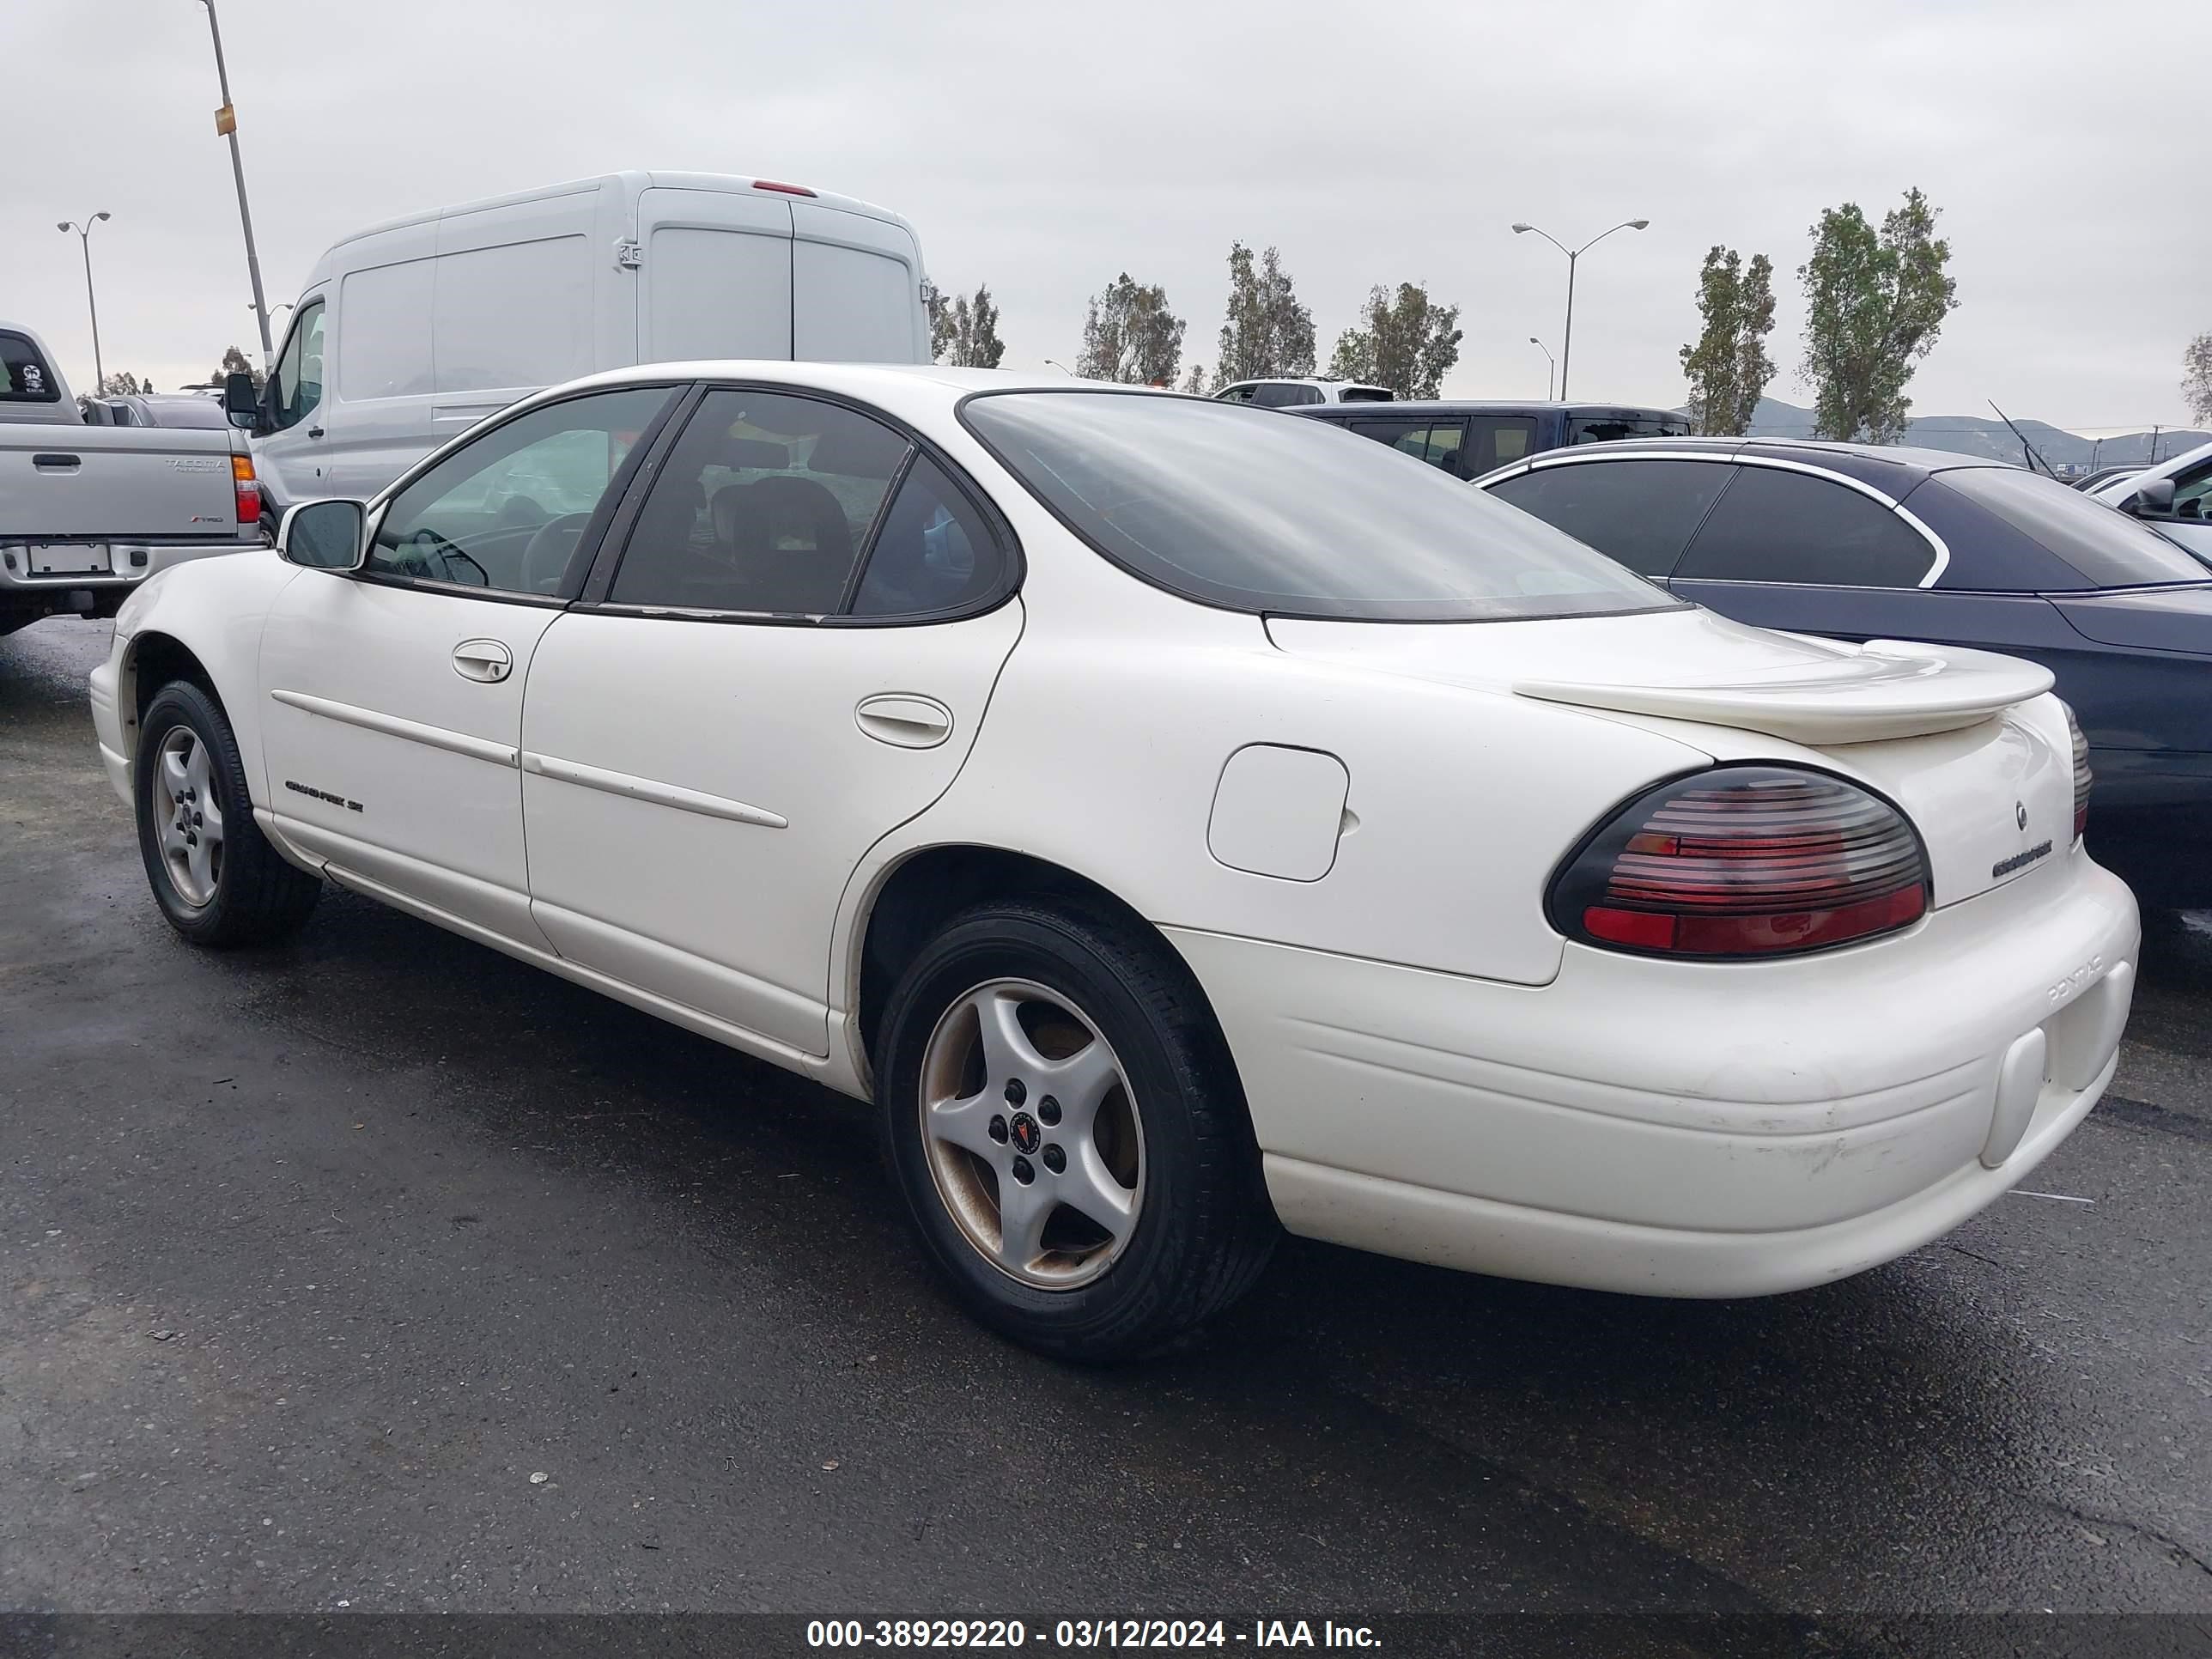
[[2082, 775], [248, 490], [1744, 861]]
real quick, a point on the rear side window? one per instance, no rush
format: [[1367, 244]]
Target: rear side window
[[1773, 526], [1284, 394], [935, 553], [1236, 508], [1641, 513], [1364, 394], [2109, 548], [24, 376], [763, 507]]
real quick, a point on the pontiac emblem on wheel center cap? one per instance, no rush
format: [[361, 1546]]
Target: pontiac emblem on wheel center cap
[[1023, 1130]]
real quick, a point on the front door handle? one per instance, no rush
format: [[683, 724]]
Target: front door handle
[[904, 720], [482, 659]]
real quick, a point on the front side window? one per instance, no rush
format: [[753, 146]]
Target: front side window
[[1773, 526], [24, 376], [297, 385], [1240, 393], [508, 510], [1641, 513], [763, 506], [1232, 508], [2192, 493]]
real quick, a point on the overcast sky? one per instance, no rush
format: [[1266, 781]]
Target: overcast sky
[[1043, 147]]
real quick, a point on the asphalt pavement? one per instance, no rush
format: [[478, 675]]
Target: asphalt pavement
[[380, 1272]]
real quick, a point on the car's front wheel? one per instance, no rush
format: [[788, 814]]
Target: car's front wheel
[[213, 873], [1065, 1125]]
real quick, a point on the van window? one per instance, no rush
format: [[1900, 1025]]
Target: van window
[[853, 306], [24, 376], [1603, 426], [519, 314], [298, 382], [716, 294], [1436, 442], [384, 335], [1494, 439]]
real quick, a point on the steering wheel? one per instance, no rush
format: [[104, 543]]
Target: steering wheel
[[545, 558], [426, 544]]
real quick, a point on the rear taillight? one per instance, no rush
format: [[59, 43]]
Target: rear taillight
[[248, 490], [1744, 861], [2082, 775]]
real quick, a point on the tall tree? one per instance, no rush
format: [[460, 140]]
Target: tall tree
[[235, 362], [1409, 344], [1873, 304], [1267, 334], [2196, 377], [1130, 334], [1729, 368], [965, 332], [1195, 382], [124, 383]]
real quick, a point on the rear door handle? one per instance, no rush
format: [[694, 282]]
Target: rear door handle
[[57, 463], [904, 720], [487, 660]]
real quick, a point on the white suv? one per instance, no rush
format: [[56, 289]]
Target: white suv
[[1288, 393]]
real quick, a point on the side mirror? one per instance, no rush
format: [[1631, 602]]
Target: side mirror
[[240, 401], [2152, 500], [324, 535]]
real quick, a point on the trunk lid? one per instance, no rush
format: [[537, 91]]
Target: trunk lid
[[1987, 781], [116, 484]]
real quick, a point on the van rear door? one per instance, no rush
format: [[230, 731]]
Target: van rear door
[[858, 284], [715, 276]]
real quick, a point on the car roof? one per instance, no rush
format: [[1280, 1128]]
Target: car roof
[[1896, 467], [1518, 406]]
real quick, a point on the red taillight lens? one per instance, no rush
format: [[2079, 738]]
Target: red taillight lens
[[248, 490], [1744, 861], [2082, 775]]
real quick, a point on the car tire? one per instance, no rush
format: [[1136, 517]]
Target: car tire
[[216, 877], [1170, 1136]]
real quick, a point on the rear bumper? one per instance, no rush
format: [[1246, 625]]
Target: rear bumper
[[1682, 1129], [95, 593]]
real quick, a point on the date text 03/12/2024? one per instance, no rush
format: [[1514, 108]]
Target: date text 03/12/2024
[[1085, 1633]]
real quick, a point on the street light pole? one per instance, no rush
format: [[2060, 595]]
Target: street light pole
[[84, 236], [1567, 341], [225, 123], [1551, 365]]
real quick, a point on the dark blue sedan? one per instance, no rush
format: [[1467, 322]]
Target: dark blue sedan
[[1861, 542]]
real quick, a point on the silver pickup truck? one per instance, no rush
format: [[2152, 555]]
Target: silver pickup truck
[[87, 513]]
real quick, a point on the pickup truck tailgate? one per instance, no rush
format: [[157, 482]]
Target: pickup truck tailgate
[[116, 484]]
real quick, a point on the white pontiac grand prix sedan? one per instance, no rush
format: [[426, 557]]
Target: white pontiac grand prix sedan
[[1180, 819]]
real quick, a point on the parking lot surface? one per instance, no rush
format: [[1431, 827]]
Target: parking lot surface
[[382, 1272]]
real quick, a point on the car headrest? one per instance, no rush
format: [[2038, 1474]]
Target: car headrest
[[756, 454], [857, 448]]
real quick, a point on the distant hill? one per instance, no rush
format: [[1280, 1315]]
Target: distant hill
[[1967, 434]]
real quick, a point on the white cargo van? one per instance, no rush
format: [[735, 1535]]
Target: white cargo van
[[410, 332]]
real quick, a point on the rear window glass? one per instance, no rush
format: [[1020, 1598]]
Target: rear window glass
[[24, 376], [1603, 426], [1234, 508], [2106, 546]]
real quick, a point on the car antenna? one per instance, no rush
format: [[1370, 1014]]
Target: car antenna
[[2032, 458]]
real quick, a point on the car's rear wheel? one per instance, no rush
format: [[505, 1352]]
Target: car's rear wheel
[[1062, 1119], [213, 873]]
